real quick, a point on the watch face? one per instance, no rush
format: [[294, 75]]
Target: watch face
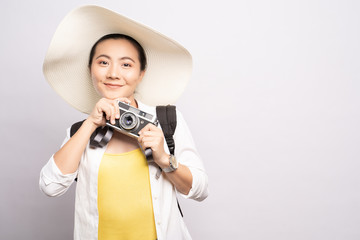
[[173, 162]]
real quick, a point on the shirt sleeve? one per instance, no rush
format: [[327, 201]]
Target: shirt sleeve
[[52, 181], [186, 153]]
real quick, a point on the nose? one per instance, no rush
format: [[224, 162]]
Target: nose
[[113, 72]]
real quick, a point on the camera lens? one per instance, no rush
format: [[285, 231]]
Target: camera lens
[[128, 121]]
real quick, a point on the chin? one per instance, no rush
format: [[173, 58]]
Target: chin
[[114, 97]]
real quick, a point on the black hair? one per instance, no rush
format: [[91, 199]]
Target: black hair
[[136, 44]]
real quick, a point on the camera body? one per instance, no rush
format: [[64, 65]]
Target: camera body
[[132, 120]]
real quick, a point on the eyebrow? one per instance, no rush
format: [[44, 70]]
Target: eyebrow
[[106, 56]]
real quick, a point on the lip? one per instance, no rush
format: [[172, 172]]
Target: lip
[[113, 85]]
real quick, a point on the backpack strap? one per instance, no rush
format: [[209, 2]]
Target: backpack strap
[[75, 127], [167, 118]]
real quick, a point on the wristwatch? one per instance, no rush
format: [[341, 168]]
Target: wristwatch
[[173, 164]]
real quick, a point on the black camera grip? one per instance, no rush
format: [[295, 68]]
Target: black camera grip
[[148, 154]]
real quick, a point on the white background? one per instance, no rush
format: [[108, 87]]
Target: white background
[[273, 105]]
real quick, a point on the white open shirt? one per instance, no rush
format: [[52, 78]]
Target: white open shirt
[[168, 221]]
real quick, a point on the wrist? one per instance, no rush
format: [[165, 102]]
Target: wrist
[[164, 161], [173, 164], [90, 125]]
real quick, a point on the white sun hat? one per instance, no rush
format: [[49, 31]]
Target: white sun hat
[[169, 65]]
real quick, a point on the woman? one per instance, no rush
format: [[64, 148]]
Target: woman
[[119, 194]]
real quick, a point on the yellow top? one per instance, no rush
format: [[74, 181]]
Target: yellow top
[[124, 197]]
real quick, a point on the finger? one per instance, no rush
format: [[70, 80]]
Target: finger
[[107, 109], [113, 112], [154, 134], [152, 139], [147, 144], [101, 112], [140, 138], [154, 144], [100, 106], [148, 139], [110, 108], [117, 111], [149, 127]]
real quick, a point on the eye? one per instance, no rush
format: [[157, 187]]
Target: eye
[[103, 63], [126, 65]]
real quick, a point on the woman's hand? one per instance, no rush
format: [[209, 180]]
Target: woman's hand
[[153, 137], [68, 157], [106, 109]]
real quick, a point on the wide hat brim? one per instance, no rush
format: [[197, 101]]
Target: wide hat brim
[[169, 65]]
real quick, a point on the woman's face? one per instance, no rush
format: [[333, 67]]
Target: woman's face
[[115, 69]]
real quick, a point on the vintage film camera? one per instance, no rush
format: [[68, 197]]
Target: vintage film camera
[[131, 121]]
